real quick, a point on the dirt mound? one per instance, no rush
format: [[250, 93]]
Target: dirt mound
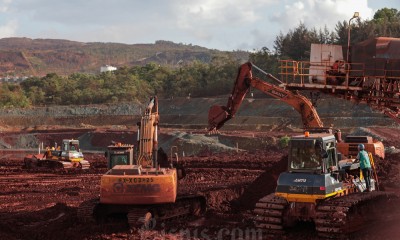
[[263, 185], [44, 224]]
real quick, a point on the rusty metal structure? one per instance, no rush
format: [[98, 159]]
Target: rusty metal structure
[[372, 76]]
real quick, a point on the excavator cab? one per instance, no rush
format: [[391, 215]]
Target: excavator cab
[[119, 154]]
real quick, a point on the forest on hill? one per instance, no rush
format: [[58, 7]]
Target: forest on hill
[[207, 72]]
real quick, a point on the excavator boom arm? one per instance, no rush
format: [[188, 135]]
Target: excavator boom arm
[[301, 104], [147, 135], [218, 115]]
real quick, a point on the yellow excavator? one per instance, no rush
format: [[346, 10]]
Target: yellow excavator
[[142, 188]]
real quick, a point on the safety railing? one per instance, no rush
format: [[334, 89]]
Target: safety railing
[[323, 73]]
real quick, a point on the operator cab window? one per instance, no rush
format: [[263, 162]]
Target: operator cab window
[[305, 158], [119, 160], [74, 147]]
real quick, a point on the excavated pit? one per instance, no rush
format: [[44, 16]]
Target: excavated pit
[[232, 170]]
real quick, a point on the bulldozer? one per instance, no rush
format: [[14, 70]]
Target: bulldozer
[[142, 188], [66, 156], [322, 188]]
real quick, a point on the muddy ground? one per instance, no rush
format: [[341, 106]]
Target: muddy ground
[[233, 170]]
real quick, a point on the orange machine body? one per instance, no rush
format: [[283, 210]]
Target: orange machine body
[[140, 180], [129, 184]]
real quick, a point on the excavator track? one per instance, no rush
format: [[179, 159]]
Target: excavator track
[[143, 216], [33, 163], [269, 213], [341, 216], [140, 218], [85, 212]]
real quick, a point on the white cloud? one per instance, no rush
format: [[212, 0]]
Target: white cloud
[[222, 13], [4, 4], [9, 29], [320, 13], [221, 24]]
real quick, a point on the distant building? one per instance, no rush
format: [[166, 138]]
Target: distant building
[[107, 68], [13, 79]]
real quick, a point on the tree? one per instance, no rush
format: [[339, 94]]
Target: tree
[[266, 60], [387, 22], [386, 14], [12, 95], [296, 43]]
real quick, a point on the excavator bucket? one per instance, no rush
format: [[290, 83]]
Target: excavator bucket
[[217, 116]]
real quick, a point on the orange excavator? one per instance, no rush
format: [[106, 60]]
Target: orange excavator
[[141, 189], [218, 115]]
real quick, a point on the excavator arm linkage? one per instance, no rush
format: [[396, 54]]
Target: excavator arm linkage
[[218, 115]]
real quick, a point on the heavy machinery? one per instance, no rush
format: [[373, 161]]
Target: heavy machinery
[[143, 188], [66, 156], [218, 115], [320, 187], [349, 147]]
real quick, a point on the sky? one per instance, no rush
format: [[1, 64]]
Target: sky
[[215, 24]]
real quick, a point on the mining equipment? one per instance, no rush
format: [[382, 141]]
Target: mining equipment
[[320, 187], [320, 184], [218, 115], [141, 188], [66, 156]]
